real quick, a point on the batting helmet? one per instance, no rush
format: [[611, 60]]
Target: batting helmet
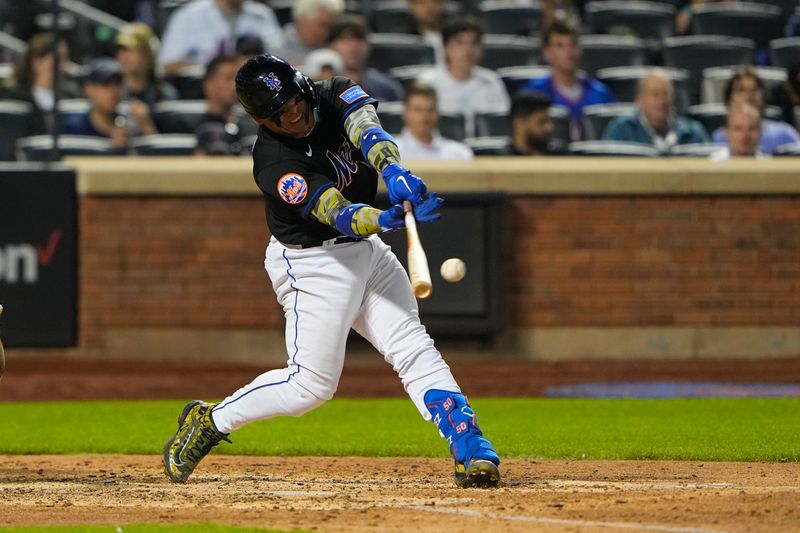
[[266, 82]]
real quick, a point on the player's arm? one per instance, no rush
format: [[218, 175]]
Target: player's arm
[[364, 130], [361, 220]]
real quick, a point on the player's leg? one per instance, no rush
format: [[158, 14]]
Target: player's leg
[[389, 319], [320, 290]]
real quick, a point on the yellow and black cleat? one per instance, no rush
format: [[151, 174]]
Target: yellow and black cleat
[[195, 437], [481, 473]]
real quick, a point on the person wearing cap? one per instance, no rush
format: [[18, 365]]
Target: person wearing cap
[[201, 30], [103, 88], [349, 38], [322, 64], [218, 132], [137, 47], [248, 46]]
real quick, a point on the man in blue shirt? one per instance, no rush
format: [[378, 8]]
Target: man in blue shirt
[[655, 122], [566, 85], [747, 88]]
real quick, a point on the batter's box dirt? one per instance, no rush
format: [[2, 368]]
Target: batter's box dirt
[[341, 494]]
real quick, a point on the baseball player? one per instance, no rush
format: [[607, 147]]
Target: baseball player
[[319, 152]]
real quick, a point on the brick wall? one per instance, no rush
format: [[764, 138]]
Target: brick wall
[[196, 262]]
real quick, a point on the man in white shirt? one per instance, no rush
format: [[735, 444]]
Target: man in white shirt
[[310, 28], [743, 131], [204, 29], [420, 139], [463, 86]]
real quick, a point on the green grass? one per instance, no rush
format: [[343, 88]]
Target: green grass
[[141, 528], [687, 429]]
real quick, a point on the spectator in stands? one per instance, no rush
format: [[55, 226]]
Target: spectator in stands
[[531, 125], [32, 81], [310, 29], [204, 29], [565, 85], [429, 18], [747, 88], [654, 122], [219, 127], [323, 63], [787, 95], [743, 131], [103, 88], [349, 38], [462, 86], [248, 46], [420, 138]]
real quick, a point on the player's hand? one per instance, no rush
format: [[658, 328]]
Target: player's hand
[[426, 209], [403, 185]]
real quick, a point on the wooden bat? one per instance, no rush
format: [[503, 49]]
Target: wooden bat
[[417, 262]]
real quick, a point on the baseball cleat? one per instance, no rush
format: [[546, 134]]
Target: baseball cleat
[[195, 437], [481, 473]]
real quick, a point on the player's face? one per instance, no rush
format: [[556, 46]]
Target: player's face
[[744, 132], [295, 119]]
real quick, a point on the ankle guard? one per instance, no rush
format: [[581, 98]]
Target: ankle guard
[[458, 425]]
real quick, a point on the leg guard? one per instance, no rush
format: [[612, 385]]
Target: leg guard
[[459, 426]]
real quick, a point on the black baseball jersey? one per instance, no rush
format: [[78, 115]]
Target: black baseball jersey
[[292, 173]]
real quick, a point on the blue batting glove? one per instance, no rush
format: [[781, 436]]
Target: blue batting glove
[[392, 218], [402, 184], [425, 210]]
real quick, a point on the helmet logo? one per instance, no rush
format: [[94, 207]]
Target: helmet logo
[[273, 82]]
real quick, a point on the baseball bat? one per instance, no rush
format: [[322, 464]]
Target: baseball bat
[[418, 271]]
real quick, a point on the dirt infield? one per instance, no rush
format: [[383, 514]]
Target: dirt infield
[[339, 494]]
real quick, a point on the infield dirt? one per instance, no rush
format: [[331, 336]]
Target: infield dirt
[[339, 494]]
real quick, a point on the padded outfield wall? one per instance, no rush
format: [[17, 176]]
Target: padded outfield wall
[[600, 258]]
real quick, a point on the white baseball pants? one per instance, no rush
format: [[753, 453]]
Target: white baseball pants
[[325, 291]]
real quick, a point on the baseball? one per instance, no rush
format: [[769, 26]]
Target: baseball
[[453, 270]]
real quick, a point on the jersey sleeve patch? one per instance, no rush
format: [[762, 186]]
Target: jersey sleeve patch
[[353, 94], [292, 188]]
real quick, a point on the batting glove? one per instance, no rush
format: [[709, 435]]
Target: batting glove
[[403, 185], [425, 211]]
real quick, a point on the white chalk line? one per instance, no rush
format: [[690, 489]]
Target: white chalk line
[[557, 521]]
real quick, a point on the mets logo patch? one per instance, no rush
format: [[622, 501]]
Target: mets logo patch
[[273, 82], [292, 188], [353, 94]]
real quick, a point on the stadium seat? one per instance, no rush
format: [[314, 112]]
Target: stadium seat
[[14, 124], [697, 52], [716, 78], [603, 51], [408, 74], [188, 81], [595, 118], [452, 126], [561, 125], [787, 7], [509, 51], [282, 10], [784, 52], [494, 124], [391, 116], [624, 83], [612, 148], [392, 17], [487, 145], [516, 77], [758, 22], [797, 118], [695, 150], [73, 106], [792, 149], [39, 147], [391, 50], [648, 20], [522, 18], [170, 144], [179, 116]]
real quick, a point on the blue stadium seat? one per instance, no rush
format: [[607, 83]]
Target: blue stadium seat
[[784, 52]]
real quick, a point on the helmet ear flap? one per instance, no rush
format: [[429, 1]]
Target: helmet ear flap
[[310, 93]]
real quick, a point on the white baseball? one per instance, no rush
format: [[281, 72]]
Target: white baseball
[[453, 270]]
